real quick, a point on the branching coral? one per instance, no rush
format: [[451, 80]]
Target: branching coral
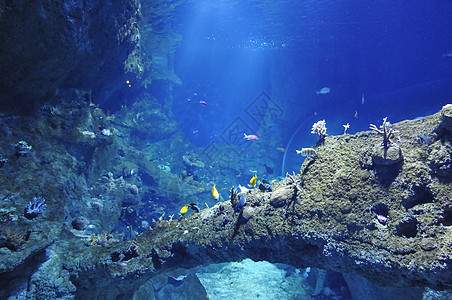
[[320, 129], [386, 131], [35, 207], [294, 182]]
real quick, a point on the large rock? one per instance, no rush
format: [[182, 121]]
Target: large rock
[[388, 223], [339, 215], [48, 44]]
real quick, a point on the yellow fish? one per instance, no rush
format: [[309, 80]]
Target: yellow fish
[[253, 181], [184, 210], [215, 193], [281, 149]]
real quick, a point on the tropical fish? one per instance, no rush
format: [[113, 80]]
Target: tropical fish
[[203, 102], [265, 186], [238, 175], [281, 149], [268, 169], [194, 207], [307, 152], [323, 91], [362, 98], [356, 114], [184, 210], [250, 137], [195, 131], [215, 193], [253, 181], [240, 204]]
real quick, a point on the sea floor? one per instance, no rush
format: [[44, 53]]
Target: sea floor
[[252, 280]]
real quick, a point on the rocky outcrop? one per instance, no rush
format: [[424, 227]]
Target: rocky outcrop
[[110, 49], [345, 211], [391, 224], [47, 45]]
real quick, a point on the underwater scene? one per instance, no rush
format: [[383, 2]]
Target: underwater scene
[[225, 149]]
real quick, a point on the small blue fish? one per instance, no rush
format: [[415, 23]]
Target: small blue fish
[[240, 204]]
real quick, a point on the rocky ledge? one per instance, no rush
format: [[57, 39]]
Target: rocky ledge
[[390, 223]]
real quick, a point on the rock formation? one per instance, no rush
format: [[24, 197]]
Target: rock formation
[[388, 223]]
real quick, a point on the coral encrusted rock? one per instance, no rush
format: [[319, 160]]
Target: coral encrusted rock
[[341, 213]]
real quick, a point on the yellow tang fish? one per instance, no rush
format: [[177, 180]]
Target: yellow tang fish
[[184, 210], [215, 193], [253, 181]]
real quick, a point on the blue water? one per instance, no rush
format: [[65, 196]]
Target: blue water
[[393, 52]]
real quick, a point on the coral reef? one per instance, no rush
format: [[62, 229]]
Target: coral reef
[[333, 218], [345, 209]]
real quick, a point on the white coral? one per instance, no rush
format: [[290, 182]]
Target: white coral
[[319, 128]]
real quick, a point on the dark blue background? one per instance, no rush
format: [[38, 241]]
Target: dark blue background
[[392, 51]]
